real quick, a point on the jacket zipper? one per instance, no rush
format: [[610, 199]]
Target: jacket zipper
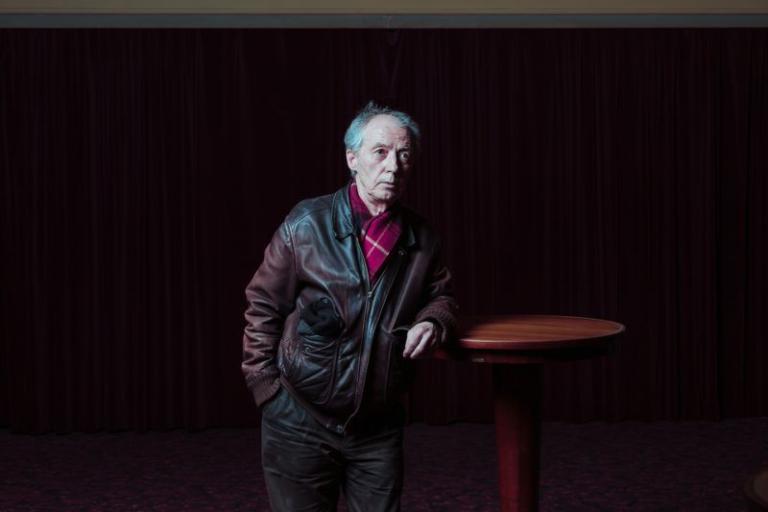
[[390, 283], [368, 297], [398, 262]]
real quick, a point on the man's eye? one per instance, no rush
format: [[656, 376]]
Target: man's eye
[[405, 156], [380, 151]]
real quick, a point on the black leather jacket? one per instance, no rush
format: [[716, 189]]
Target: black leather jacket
[[350, 363]]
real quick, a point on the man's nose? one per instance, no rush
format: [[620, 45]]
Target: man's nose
[[392, 164]]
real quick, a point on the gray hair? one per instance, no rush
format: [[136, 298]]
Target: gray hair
[[353, 138]]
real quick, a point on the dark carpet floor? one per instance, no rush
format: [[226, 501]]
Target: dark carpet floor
[[633, 466]]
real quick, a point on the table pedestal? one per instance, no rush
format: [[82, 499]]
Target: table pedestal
[[517, 405], [517, 347]]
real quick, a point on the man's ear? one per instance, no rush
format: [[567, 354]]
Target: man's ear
[[351, 160]]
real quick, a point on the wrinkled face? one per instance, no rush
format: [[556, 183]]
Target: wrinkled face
[[383, 161]]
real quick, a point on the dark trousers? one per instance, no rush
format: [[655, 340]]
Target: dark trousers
[[306, 465]]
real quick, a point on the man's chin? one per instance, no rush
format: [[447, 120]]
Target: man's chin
[[390, 195], [390, 188]]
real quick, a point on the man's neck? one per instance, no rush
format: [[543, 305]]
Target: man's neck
[[374, 207]]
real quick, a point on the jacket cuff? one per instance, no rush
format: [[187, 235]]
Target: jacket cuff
[[445, 321], [438, 330], [264, 387]]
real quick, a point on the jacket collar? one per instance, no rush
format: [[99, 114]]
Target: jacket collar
[[343, 226]]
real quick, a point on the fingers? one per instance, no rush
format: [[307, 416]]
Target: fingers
[[420, 339], [411, 341], [423, 346]]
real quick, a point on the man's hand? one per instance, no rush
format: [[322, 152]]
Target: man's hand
[[420, 340]]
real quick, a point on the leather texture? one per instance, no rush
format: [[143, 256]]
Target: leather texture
[[316, 326]]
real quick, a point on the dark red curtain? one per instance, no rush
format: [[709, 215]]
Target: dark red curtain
[[611, 173]]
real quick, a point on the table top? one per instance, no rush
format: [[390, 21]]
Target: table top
[[530, 339], [533, 332]]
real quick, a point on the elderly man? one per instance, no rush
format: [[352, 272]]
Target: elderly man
[[351, 287]]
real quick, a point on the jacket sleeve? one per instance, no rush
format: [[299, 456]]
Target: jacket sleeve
[[271, 296], [441, 307]]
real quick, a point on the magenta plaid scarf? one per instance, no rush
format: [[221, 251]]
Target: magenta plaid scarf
[[378, 234]]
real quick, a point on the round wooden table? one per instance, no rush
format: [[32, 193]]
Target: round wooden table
[[517, 346]]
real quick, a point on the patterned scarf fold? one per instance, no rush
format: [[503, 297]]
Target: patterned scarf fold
[[378, 234]]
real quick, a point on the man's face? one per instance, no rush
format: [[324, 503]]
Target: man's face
[[383, 161]]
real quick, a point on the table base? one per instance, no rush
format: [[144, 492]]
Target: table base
[[517, 407]]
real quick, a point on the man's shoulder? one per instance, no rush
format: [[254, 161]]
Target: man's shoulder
[[424, 231], [311, 207], [413, 217], [417, 220]]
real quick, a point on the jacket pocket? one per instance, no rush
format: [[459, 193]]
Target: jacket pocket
[[313, 372]]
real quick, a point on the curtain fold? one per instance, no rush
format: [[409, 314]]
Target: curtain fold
[[610, 173]]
